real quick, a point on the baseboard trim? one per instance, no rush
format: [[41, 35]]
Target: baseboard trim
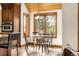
[[55, 46]]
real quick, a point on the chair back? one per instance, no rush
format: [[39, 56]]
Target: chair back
[[14, 37], [13, 41], [48, 38]]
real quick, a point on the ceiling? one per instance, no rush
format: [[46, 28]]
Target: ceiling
[[32, 7]]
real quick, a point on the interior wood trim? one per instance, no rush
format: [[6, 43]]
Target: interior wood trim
[[52, 46], [35, 24], [27, 25], [49, 13], [78, 26], [19, 17], [56, 26], [44, 23]]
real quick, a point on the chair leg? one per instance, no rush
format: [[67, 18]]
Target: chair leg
[[42, 48], [26, 48], [17, 51], [39, 46], [17, 47], [47, 49], [9, 52]]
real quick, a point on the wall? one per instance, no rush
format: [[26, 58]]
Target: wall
[[23, 10], [56, 41], [69, 27]]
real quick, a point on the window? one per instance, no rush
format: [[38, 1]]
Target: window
[[40, 24], [46, 22], [26, 24]]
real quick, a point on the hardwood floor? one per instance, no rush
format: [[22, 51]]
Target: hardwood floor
[[38, 52]]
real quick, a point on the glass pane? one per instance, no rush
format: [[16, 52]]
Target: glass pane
[[40, 23], [51, 24], [24, 23]]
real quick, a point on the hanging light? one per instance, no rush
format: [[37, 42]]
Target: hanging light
[[37, 17]]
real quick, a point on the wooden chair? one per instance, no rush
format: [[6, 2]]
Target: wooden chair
[[26, 43], [35, 40], [12, 42], [47, 41]]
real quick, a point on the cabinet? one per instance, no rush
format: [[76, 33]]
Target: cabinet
[[17, 17], [7, 12], [11, 15]]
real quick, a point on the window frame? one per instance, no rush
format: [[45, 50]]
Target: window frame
[[45, 14], [27, 31]]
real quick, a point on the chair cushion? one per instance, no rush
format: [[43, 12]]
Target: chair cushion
[[5, 45]]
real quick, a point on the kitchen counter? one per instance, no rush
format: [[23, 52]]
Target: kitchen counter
[[2, 35], [3, 38]]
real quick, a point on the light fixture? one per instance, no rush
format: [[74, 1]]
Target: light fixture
[[37, 17], [38, 8]]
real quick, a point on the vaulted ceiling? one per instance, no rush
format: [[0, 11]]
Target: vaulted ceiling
[[32, 7]]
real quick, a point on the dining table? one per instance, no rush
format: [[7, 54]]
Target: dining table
[[42, 40]]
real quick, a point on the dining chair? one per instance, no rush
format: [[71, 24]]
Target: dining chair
[[50, 39], [13, 41], [35, 38], [46, 42], [39, 43], [26, 43]]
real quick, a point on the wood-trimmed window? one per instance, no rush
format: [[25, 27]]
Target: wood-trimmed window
[[46, 22], [26, 24]]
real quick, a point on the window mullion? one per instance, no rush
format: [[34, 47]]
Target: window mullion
[[45, 23]]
